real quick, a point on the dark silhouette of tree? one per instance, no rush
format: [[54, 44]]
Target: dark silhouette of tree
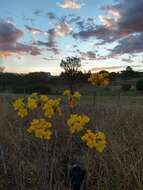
[[128, 73], [71, 67], [139, 85], [113, 75], [129, 69]]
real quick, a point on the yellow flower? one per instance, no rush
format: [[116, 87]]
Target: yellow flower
[[76, 122], [34, 94], [22, 112], [67, 92], [31, 103], [48, 135], [18, 104], [95, 140], [44, 98], [40, 127], [98, 79], [48, 111], [77, 95], [51, 106], [100, 141]]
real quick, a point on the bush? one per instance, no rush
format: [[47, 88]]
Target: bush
[[28, 89], [126, 87], [139, 85]]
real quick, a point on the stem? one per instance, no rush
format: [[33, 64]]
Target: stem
[[3, 160]]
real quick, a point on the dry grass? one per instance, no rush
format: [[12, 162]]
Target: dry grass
[[29, 164]]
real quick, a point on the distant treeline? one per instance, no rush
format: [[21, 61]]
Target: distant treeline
[[34, 82], [41, 81]]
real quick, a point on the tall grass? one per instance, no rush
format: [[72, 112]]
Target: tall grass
[[29, 164]]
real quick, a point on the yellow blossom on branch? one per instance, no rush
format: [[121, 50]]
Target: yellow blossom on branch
[[77, 95], [31, 103], [77, 122], [19, 103], [35, 94], [99, 79], [40, 127], [22, 112], [44, 98], [67, 93], [51, 107], [95, 140]]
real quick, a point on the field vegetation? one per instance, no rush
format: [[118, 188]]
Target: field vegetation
[[33, 159]]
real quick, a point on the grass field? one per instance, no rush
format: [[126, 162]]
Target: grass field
[[29, 164]]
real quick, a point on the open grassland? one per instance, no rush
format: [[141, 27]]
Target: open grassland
[[29, 164]]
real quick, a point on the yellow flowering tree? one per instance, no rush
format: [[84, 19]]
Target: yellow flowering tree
[[98, 79]]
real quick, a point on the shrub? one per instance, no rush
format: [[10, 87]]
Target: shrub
[[31, 88], [139, 85], [126, 87]]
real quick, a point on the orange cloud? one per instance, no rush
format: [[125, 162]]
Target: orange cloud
[[70, 4]]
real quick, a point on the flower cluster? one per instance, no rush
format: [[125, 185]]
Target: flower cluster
[[95, 140], [31, 103], [46, 106], [20, 107], [41, 129], [73, 97], [99, 79], [77, 122], [67, 92], [51, 106]]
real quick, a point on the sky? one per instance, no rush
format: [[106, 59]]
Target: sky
[[35, 35]]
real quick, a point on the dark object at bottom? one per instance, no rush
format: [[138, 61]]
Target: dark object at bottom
[[76, 175]]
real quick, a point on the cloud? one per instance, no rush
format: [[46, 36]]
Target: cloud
[[70, 4], [52, 16], [62, 29], [17, 49], [9, 33], [51, 43], [89, 55], [129, 45], [51, 46], [120, 20], [128, 60], [33, 30], [9, 36], [38, 12]]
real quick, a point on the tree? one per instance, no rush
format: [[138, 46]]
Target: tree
[[128, 73], [71, 67], [129, 69], [139, 85]]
